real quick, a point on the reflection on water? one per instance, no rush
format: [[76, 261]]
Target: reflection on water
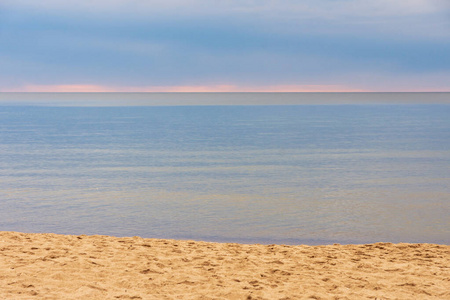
[[287, 174]]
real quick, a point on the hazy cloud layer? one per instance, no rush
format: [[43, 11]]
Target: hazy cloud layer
[[360, 45]]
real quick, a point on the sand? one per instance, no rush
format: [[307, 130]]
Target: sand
[[51, 266]]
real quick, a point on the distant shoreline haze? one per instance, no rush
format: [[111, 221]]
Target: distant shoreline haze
[[221, 98]]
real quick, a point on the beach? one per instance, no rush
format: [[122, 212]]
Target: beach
[[52, 266]]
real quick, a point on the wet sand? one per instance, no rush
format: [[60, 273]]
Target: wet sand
[[50, 266]]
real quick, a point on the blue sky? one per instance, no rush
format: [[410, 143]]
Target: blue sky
[[321, 45]]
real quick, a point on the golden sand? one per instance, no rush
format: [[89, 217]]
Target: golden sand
[[51, 266]]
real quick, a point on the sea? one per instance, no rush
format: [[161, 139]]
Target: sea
[[295, 168]]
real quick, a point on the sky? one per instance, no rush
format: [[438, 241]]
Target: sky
[[225, 46]]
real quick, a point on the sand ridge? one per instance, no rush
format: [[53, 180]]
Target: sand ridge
[[51, 266]]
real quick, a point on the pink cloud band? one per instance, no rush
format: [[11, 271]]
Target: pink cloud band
[[71, 88]]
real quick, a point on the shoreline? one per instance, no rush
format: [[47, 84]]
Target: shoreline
[[55, 266]]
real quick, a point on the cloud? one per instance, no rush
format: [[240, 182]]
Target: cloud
[[308, 11], [414, 19], [73, 88], [364, 82], [174, 89], [196, 44], [368, 7]]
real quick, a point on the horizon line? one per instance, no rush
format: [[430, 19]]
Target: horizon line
[[222, 88], [211, 92]]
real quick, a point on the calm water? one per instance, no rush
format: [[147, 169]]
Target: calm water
[[284, 174]]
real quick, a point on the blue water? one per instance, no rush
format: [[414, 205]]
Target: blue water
[[313, 174]]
